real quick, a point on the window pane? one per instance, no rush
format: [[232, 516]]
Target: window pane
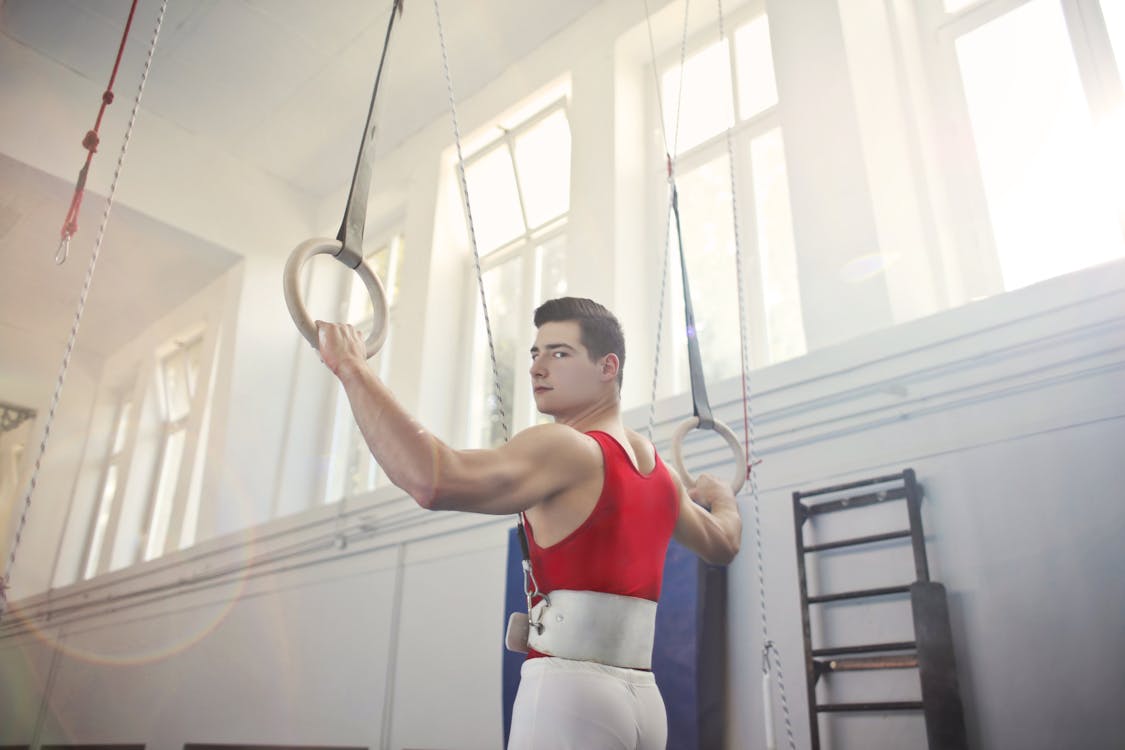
[[176, 398], [195, 485], [777, 254], [543, 161], [550, 258], [757, 89], [105, 506], [386, 262], [494, 200], [192, 354], [361, 465], [121, 427], [165, 493], [705, 108], [707, 221], [1045, 182], [502, 285]]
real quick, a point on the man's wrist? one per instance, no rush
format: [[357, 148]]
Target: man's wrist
[[350, 369]]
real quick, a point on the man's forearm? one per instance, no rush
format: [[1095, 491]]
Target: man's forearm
[[725, 512], [405, 450]]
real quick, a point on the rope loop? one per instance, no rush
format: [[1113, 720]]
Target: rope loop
[[6, 579], [90, 143]]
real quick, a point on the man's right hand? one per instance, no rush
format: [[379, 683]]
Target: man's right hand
[[341, 346]]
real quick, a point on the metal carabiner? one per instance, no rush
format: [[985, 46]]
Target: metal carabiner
[[64, 250], [531, 591]]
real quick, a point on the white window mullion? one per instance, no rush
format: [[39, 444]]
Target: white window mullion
[[752, 280], [537, 153], [125, 465], [510, 149], [524, 407]]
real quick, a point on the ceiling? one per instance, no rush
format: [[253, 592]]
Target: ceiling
[[282, 85], [285, 84]]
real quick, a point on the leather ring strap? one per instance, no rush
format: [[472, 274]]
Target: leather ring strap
[[703, 418], [348, 245], [700, 405]]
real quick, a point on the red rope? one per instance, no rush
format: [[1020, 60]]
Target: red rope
[[90, 140]]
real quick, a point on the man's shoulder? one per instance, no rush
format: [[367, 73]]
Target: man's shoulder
[[558, 441], [552, 432]]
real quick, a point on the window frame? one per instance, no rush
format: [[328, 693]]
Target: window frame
[[94, 551], [507, 140], [345, 432], [972, 256], [742, 133], [521, 412], [169, 427]]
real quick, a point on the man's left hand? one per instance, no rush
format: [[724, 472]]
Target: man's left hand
[[707, 490]]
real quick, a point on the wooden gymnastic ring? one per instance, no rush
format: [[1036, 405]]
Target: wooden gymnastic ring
[[296, 305], [691, 423]]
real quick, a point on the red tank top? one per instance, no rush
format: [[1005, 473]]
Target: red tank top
[[620, 547]]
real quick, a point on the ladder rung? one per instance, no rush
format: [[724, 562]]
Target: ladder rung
[[870, 648], [883, 706], [851, 486], [867, 663], [861, 594], [856, 541], [856, 501]]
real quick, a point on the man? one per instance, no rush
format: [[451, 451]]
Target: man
[[600, 509]]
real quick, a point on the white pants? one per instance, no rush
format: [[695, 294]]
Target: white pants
[[576, 705]]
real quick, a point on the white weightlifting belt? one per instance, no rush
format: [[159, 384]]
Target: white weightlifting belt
[[592, 626]]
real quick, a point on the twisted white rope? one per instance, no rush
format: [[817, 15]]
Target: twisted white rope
[[744, 343], [464, 186], [671, 154], [5, 582]]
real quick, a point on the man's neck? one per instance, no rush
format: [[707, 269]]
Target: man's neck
[[604, 415]]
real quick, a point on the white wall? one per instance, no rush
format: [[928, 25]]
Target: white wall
[[1003, 409], [1009, 410]]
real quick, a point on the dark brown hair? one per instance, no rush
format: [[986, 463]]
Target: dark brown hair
[[601, 332]]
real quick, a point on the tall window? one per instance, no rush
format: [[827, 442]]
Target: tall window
[[1043, 101], [519, 189], [728, 88], [177, 383], [352, 469], [110, 487]]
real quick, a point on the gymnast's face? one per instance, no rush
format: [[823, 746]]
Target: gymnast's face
[[563, 377]]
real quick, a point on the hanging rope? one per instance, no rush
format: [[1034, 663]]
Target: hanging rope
[[670, 156], [464, 187], [530, 585], [748, 427], [5, 582], [90, 143]]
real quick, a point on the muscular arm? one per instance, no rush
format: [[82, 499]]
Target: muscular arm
[[535, 465], [709, 523]]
